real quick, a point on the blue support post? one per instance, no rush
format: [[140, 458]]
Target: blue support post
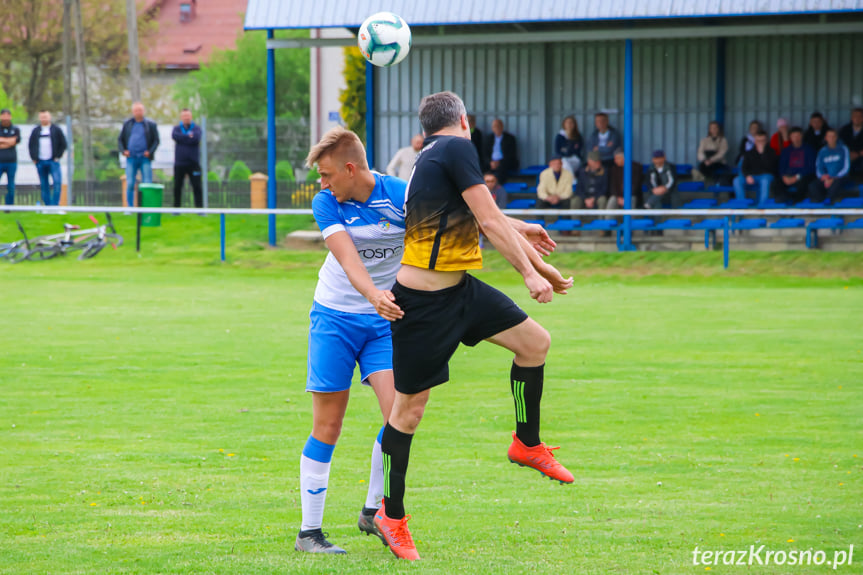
[[222, 233], [726, 247], [271, 137], [627, 246], [720, 81], [370, 114]]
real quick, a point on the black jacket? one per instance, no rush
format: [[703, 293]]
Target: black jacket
[[151, 132], [846, 135], [815, 141], [188, 149], [58, 142], [755, 164], [507, 147], [476, 138]]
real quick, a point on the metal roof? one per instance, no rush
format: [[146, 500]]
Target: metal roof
[[351, 13]]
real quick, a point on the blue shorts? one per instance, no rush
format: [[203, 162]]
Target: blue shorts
[[339, 340]]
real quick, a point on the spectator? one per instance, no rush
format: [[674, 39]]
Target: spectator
[[615, 182], [500, 152], [568, 144], [796, 169], [403, 162], [475, 134], [10, 135], [779, 141], [758, 169], [591, 191], [555, 186], [748, 141], [47, 145], [138, 140], [712, 151], [187, 158], [662, 183], [604, 139], [498, 192], [851, 135], [831, 167], [814, 135]]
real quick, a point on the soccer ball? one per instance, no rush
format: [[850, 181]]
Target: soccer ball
[[384, 39]]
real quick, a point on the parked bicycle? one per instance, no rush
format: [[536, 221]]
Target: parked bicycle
[[15, 252], [89, 242]]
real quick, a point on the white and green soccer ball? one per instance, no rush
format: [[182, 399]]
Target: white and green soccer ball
[[384, 39]]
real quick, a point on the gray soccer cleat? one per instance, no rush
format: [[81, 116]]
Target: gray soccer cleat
[[315, 541], [366, 523]]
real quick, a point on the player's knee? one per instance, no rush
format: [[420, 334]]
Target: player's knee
[[327, 431], [537, 345]]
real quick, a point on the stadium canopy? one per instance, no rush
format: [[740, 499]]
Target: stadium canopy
[[489, 22]]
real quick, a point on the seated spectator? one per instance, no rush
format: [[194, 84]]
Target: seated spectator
[[555, 186], [568, 144], [748, 141], [475, 134], [591, 190], [661, 183], [758, 169], [779, 141], [615, 182], [498, 192], [403, 162], [796, 169], [604, 139], [712, 151], [500, 153], [831, 167], [814, 135], [851, 135]]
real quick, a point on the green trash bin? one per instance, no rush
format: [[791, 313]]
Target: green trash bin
[[151, 197]]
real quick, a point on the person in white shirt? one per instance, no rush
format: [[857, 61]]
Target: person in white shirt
[[403, 162], [47, 145]]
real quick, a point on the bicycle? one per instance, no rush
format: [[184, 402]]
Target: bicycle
[[90, 241], [15, 252]]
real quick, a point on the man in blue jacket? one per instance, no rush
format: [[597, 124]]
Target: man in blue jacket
[[138, 141], [796, 169], [831, 167], [187, 158], [604, 139]]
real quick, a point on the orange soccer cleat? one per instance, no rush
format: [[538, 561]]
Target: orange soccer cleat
[[540, 458], [397, 535]]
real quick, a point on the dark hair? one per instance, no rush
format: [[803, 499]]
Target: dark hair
[[816, 115], [795, 129], [828, 130], [185, 110], [439, 111], [44, 111], [857, 110], [760, 133], [598, 114], [493, 175], [718, 125]]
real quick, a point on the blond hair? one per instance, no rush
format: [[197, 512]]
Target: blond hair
[[342, 144]]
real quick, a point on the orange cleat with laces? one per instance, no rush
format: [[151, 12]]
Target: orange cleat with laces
[[540, 458], [397, 535]]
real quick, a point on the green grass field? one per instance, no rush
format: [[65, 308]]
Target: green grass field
[[152, 413]]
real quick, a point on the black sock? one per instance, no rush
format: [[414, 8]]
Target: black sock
[[396, 451], [526, 385]]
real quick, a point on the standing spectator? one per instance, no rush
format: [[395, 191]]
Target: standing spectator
[[403, 162], [779, 141], [615, 182], [748, 141], [568, 144], [187, 158], [712, 151], [591, 191], [831, 166], [475, 134], [10, 135], [796, 169], [661, 183], [851, 135], [47, 145], [138, 141], [604, 139], [500, 153], [758, 168], [555, 186], [814, 135], [498, 192]]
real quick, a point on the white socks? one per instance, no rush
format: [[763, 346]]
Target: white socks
[[314, 479], [376, 477]]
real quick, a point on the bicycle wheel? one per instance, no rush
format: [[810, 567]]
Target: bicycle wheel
[[92, 248], [115, 240], [16, 254], [41, 253]]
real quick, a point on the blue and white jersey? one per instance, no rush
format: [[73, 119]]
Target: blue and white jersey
[[377, 228]]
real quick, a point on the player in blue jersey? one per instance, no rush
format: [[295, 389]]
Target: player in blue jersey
[[361, 216]]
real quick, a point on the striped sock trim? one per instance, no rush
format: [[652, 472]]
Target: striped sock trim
[[387, 466], [518, 394]]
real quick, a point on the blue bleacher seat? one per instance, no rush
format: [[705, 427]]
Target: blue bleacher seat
[[808, 204], [684, 169], [530, 190], [855, 225], [709, 226], [675, 224], [850, 203], [522, 204], [515, 187], [690, 187], [564, 225], [601, 225], [641, 223], [749, 224], [646, 167], [771, 204], [788, 223], [736, 204], [721, 189], [532, 170], [700, 204], [831, 223]]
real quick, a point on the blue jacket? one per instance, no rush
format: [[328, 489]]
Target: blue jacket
[[566, 148], [188, 149], [606, 153], [835, 162], [797, 161]]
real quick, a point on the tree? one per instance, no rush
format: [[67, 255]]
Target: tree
[[353, 97], [234, 83], [19, 113]]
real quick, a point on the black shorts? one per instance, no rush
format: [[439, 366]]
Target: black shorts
[[435, 322]]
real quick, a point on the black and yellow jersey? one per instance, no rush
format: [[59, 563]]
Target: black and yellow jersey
[[441, 233]]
